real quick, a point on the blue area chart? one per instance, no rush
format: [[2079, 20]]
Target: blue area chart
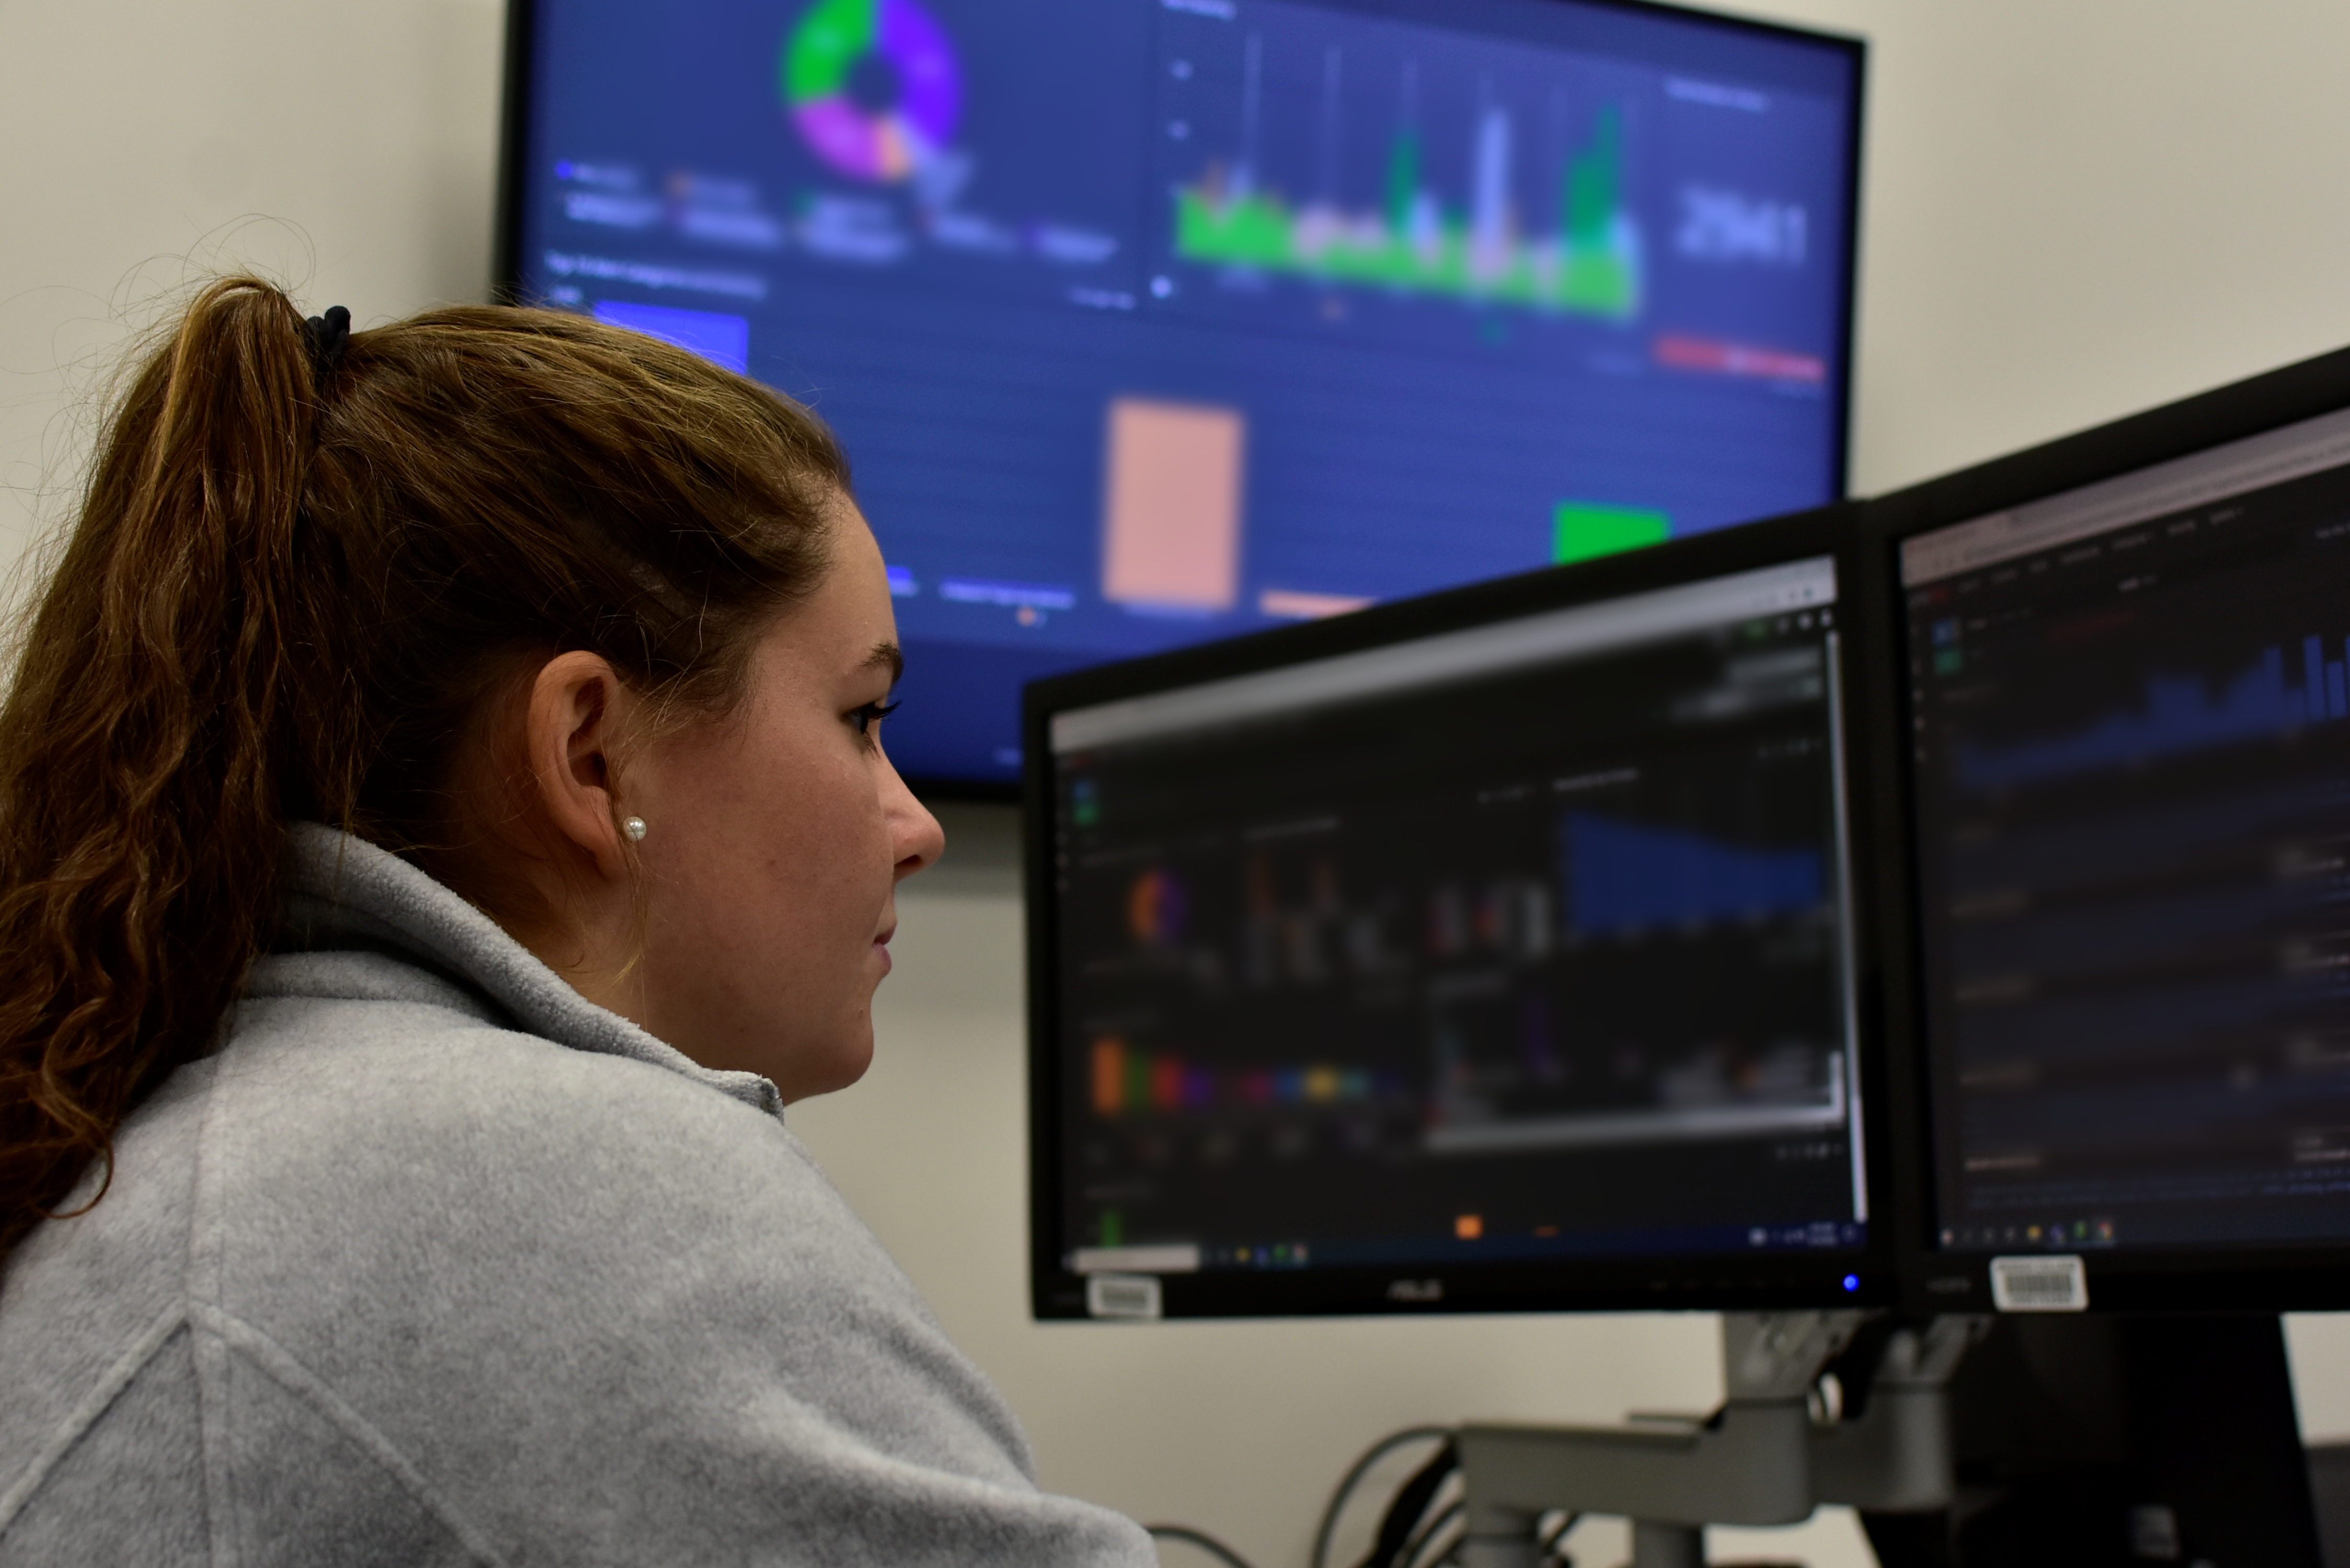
[[2177, 715], [1622, 879]]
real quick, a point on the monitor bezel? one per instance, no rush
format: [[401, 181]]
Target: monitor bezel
[[1778, 1279], [518, 109], [1933, 1279]]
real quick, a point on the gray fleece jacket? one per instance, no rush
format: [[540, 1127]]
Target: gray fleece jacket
[[435, 1262]]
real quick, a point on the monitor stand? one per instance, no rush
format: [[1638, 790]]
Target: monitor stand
[[1760, 1460], [2097, 1441], [1964, 1442]]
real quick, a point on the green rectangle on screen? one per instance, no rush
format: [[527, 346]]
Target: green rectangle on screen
[[1580, 531]]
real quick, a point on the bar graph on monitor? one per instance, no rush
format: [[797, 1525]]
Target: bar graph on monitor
[[1379, 156]]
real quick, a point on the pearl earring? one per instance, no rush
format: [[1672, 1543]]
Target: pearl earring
[[635, 828]]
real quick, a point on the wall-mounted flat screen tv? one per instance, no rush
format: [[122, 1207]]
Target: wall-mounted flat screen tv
[[1151, 321]]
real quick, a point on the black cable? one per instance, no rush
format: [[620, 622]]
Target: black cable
[[1447, 1552], [1430, 1528], [1355, 1473], [1550, 1543], [1199, 1538], [1412, 1501]]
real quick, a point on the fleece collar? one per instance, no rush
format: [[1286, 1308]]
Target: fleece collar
[[343, 894]]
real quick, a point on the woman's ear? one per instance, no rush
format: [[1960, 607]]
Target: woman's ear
[[576, 708]]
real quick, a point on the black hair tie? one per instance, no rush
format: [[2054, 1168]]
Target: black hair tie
[[330, 335]]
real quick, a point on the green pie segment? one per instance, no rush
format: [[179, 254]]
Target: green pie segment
[[821, 57], [831, 39]]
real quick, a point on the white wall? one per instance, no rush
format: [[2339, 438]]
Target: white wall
[[2075, 208]]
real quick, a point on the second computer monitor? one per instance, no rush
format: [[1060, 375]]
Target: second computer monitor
[[1492, 950], [2129, 802]]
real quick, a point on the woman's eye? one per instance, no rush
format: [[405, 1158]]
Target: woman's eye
[[872, 713]]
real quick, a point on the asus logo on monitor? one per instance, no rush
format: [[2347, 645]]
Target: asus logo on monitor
[[1415, 1290]]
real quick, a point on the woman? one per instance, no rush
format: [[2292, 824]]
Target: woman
[[442, 821]]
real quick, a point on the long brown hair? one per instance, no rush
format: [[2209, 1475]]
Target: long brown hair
[[293, 582]]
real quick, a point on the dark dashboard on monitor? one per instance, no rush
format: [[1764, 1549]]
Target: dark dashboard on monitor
[[2125, 841], [1506, 956]]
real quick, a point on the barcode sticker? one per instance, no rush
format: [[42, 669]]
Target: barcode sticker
[[2039, 1285], [1122, 1295]]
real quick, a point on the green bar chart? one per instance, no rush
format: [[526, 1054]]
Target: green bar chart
[[1529, 210]]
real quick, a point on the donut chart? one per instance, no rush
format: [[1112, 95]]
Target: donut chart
[[821, 59]]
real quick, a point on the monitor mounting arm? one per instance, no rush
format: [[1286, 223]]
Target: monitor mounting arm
[[1895, 1455], [1760, 1460]]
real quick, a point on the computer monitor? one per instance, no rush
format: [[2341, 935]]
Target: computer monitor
[[2126, 791], [1153, 321], [1491, 950]]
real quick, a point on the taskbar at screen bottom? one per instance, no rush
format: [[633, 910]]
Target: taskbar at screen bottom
[[1768, 1280], [1471, 1246]]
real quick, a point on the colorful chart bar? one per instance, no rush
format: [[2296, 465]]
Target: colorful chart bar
[[1582, 532], [1591, 265], [1127, 1081]]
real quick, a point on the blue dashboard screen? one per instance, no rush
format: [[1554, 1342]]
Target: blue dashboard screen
[[1150, 321]]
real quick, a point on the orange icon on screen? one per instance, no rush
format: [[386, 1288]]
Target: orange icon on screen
[[1468, 1227], [1109, 1077], [1156, 908]]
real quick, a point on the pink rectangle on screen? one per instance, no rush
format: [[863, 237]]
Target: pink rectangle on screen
[[1291, 605], [1171, 511]]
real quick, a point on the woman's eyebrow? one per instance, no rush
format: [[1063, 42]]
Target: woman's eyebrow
[[886, 655]]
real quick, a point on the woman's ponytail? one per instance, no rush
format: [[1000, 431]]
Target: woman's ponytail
[[303, 562], [143, 746]]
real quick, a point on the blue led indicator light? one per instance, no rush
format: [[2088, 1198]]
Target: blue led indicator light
[[1852, 1282]]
